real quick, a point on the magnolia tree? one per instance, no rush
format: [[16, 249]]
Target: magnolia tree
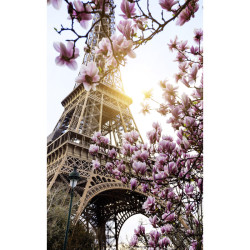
[[168, 170]]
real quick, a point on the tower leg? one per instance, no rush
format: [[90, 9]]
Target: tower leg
[[116, 235], [102, 237]]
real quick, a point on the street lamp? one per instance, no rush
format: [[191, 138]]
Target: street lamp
[[74, 177]]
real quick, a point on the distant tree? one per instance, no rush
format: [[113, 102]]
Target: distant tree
[[57, 213]]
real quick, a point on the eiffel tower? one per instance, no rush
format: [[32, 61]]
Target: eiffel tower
[[104, 202]]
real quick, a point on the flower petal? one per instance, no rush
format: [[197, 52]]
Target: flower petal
[[57, 4], [59, 61], [87, 86], [72, 64], [56, 45]]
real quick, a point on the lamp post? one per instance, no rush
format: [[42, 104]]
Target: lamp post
[[74, 177]]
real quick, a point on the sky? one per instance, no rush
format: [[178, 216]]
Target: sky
[[153, 62], [26, 101]]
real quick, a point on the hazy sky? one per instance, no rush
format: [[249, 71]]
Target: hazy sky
[[153, 62]]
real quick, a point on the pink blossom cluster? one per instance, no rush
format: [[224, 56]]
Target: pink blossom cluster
[[99, 139], [172, 163], [115, 53], [170, 170]]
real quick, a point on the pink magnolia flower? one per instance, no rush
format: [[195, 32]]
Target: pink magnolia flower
[[96, 164], [157, 126], [183, 67], [121, 167], [163, 109], [93, 149], [104, 140], [173, 44], [96, 137], [152, 136], [124, 180], [149, 204], [112, 153], [198, 35], [131, 137], [99, 139], [109, 166], [140, 156], [66, 55], [167, 228], [145, 108], [171, 194], [167, 4], [193, 245], [88, 76], [80, 13], [116, 173], [164, 242], [140, 230], [144, 187], [133, 183], [152, 243], [185, 142], [153, 221], [194, 50], [139, 167], [178, 76], [124, 46], [176, 112], [199, 183], [104, 47], [128, 9], [155, 235], [140, 23], [55, 3], [163, 146], [180, 57], [171, 168], [126, 148], [168, 217], [171, 90], [193, 73], [183, 45], [188, 121], [185, 82], [189, 189], [133, 241], [126, 28], [144, 155], [185, 100]]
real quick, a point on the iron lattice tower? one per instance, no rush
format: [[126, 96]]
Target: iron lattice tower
[[104, 202]]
